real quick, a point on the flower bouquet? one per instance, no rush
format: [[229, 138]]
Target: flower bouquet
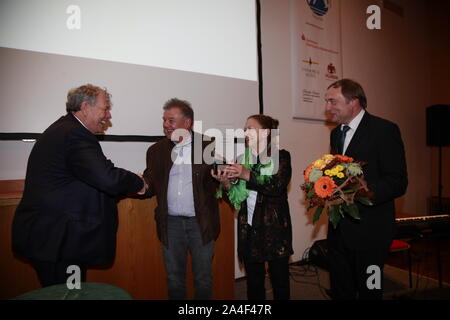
[[334, 183]]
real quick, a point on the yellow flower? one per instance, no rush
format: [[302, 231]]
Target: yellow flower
[[339, 168], [340, 175], [334, 172], [328, 158], [328, 173], [319, 164]]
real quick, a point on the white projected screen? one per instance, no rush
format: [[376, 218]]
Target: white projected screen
[[207, 36], [143, 51]]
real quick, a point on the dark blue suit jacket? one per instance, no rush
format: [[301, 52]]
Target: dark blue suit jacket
[[378, 142], [68, 210]]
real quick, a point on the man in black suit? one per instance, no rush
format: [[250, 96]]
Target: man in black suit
[[358, 248], [68, 212]]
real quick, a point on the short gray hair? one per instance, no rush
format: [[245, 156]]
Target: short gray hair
[[88, 93], [183, 105]]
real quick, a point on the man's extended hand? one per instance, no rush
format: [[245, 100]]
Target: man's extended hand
[[144, 188]]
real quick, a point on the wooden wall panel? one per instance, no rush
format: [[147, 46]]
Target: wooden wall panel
[[16, 275], [138, 267]]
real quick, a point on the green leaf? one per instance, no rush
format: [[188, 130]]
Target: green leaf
[[353, 211], [334, 216], [351, 190], [364, 200], [315, 174], [309, 185], [317, 214], [341, 211], [310, 194]]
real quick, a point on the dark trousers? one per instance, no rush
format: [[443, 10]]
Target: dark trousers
[[184, 236], [52, 273], [279, 278], [353, 273]]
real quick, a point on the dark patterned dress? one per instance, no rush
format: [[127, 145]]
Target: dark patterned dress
[[270, 235]]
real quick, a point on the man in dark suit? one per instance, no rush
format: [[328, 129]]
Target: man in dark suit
[[358, 248], [68, 213], [187, 215]]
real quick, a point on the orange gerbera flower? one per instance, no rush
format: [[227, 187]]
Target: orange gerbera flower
[[306, 173], [324, 187], [344, 158]]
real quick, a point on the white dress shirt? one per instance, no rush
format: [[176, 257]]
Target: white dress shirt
[[180, 195], [353, 126]]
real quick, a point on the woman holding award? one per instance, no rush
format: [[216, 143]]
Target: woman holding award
[[257, 188]]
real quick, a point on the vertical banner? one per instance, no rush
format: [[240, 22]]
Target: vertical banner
[[315, 53]]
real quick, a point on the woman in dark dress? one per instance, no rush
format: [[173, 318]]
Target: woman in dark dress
[[258, 189]]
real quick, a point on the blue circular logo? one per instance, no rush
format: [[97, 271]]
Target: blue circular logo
[[319, 7]]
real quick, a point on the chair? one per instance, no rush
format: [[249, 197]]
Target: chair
[[401, 245]]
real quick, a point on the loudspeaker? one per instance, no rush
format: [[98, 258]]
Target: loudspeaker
[[438, 125], [318, 254]]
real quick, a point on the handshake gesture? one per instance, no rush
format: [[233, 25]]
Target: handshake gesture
[[145, 187]]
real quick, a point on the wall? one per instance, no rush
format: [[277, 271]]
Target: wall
[[392, 64], [440, 77], [34, 87]]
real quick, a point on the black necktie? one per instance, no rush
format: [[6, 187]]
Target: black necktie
[[342, 141]]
